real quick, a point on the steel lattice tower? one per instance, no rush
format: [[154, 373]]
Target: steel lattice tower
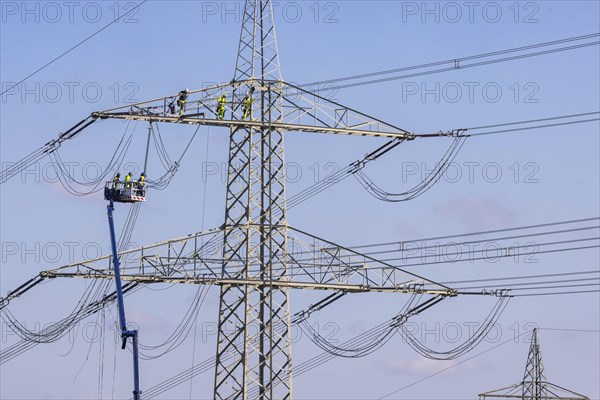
[[534, 385], [534, 381], [255, 227]]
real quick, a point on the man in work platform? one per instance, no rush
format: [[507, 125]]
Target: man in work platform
[[116, 188], [116, 181], [183, 95], [221, 103], [128, 181], [141, 183]]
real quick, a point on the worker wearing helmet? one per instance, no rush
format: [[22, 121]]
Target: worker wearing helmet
[[247, 106], [221, 103], [183, 95], [128, 181], [116, 184], [141, 183]]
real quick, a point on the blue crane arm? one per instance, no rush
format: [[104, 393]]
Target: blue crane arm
[[125, 333]]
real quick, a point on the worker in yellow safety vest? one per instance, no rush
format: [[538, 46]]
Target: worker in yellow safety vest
[[247, 106], [183, 95], [221, 103], [128, 181], [141, 183]]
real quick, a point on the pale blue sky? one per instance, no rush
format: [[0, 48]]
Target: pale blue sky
[[171, 45]]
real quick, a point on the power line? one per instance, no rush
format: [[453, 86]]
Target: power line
[[354, 167], [556, 293], [479, 64], [436, 63], [74, 47], [570, 330], [538, 285], [425, 263], [526, 277], [403, 249], [456, 62], [357, 263], [302, 368], [535, 127], [324, 357], [495, 239], [486, 232], [550, 251], [534, 120], [452, 366]]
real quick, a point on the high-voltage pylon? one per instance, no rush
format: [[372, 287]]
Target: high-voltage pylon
[[534, 381], [248, 256], [251, 351], [534, 385]]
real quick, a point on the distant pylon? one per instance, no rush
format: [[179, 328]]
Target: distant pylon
[[534, 381], [534, 385]]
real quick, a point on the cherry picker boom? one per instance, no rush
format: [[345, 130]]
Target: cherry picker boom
[[128, 194]]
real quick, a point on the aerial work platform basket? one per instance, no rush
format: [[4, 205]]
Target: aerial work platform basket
[[125, 192]]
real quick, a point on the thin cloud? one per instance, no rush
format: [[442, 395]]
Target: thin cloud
[[477, 212]]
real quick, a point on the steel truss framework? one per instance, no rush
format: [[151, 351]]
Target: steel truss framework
[[311, 263], [255, 257], [298, 110], [534, 385]]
